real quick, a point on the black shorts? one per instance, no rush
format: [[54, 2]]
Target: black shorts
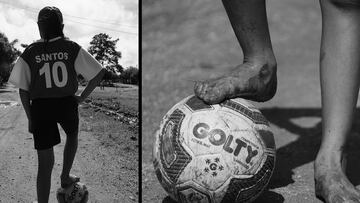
[[46, 113]]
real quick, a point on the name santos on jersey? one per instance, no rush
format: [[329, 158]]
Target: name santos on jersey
[[51, 57]]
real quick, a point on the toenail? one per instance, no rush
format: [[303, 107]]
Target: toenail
[[337, 199]]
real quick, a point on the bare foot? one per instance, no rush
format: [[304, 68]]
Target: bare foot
[[67, 181], [331, 184], [249, 81]]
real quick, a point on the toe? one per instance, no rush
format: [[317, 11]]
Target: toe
[[69, 180], [74, 178], [206, 92], [199, 89], [213, 95], [337, 198], [331, 192]]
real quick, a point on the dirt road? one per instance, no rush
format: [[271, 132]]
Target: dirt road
[[102, 166]]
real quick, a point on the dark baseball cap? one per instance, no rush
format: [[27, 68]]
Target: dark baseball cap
[[50, 14]]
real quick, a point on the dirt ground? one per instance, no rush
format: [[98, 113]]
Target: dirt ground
[[193, 40], [106, 161]]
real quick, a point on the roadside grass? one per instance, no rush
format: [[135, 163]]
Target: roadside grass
[[123, 100], [119, 139]]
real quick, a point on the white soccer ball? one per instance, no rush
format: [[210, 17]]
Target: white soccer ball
[[75, 193], [214, 153]]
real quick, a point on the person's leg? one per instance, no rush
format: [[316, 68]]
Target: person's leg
[[339, 75], [69, 121], [69, 155], [43, 184], [255, 79]]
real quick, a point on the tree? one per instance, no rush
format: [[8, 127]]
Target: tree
[[8, 54], [110, 76], [130, 75], [102, 47]]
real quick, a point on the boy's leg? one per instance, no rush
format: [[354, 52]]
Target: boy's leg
[[255, 79], [339, 74], [69, 155], [69, 121], [46, 163]]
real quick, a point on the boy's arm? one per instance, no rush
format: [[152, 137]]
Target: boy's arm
[[25, 100], [92, 84]]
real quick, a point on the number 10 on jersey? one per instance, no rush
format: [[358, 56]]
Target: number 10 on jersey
[[55, 74]]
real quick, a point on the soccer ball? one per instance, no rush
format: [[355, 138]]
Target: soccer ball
[[75, 193], [214, 153]]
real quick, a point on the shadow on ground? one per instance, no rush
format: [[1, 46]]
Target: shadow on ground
[[299, 152], [303, 150]]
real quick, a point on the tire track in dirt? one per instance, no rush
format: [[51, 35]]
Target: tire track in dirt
[[16, 159], [7, 123]]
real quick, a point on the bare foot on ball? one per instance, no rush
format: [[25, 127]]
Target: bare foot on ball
[[249, 81], [331, 184], [66, 181]]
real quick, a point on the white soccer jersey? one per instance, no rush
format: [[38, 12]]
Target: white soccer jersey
[[50, 69]]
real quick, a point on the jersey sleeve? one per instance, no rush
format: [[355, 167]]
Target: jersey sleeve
[[86, 65], [20, 75]]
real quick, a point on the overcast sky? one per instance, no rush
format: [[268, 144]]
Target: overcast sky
[[82, 19]]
